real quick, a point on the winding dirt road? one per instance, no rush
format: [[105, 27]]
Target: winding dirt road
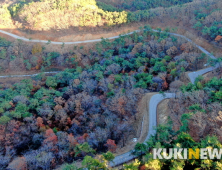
[[155, 99], [192, 75]]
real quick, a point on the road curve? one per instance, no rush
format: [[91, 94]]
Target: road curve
[[98, 40], [54, 42], [155, 99], [192, 76]]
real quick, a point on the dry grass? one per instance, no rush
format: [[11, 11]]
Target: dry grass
[[163, 112]]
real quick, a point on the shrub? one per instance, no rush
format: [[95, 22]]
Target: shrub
[[218, 95], [195, 107], [4, 120], [143, 79], [118, 78], [199, 85], [12, 58], [159, 66], [110, 94], [69, 167], [34, 61], [167, 58], [83, 149], [28, 65], [37, 48], [173, 72], [53, 55], [3, 54], [51, 82], [4, 42]]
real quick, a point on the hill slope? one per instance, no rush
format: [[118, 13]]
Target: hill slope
[[61, 14]]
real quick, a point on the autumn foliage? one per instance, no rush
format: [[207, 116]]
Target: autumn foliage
[[218, 38], [94, 104], [111, 145], [50, 137], [37, 48]]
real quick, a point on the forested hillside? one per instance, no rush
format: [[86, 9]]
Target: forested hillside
[[61, 117], [194, 122], [134, 5], [46, 15], [204, 16], [89, 111], [209, 23], [65, 14]]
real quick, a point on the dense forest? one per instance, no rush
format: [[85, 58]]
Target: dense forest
[[190, 126], [82, 116], [203, 16], [134, 5], [194, 122], [209, 23], [88, 109], [75, 13]]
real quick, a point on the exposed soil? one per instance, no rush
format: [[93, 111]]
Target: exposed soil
[[79, 34], [185, 78], [5, 82], [211, 74], [28, 72], [163, 112]]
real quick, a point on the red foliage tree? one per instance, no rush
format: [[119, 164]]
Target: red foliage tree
[[40, 122], [218, 38], [73, 142], [111, 145], [165, 85], [143, 167], [50, 137], [85, 136], [81, 139]]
